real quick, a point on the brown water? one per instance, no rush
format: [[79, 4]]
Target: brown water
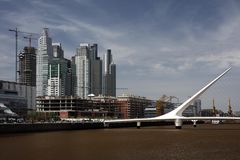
[[150, 143]]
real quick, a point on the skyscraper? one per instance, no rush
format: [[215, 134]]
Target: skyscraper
[[96, 71], [27, 66], [57, 50], [44, 57], [58, 73], [109, 75], [88, 71], [82, 59]]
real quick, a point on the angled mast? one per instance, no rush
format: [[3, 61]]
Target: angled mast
[[179, 110], [176, 114]]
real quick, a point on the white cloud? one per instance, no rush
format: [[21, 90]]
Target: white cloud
[[221, 60]]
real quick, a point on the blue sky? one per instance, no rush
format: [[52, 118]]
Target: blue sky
[[170, 47]]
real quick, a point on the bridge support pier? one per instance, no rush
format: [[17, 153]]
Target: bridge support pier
[[194, 123], [178, 123], [138, 125], [106, 125]]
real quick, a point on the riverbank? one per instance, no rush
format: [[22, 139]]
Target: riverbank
[[61, 126], [205, 142], [47, 126]]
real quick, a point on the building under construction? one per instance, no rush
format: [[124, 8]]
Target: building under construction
[[27, 66], [124, 106], [73, 107], [132, 106]]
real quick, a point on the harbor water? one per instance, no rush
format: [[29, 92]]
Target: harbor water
[[206, 141]]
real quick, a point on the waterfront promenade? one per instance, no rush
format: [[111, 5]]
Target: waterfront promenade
[[160, 142]]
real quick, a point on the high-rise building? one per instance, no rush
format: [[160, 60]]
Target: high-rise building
[[73, 77], [58, 73], [57, 50], [69, 79], [109, 75], [82, 63], [44, 57], [88, 71], [54, 80], [96, 71], [27, 66]]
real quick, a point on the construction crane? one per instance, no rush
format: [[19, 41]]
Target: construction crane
[[16, 48], [165, 98], [30, 38]]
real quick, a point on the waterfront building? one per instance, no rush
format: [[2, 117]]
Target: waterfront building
[[150, 110], [209, 113], [193, 109], [109, 105], [124, 106], [5, 112], [75, 107], [17, 96], [109, 75], [169, 106], [198, 107], [132, 106], [44, 57], [88, 71], [15, 103], [27, 66]]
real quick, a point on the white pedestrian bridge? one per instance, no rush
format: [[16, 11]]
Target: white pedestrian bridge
[[176, 114]]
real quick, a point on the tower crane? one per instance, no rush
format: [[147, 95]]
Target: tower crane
[[16, 48], [30, 38], [166, 98]]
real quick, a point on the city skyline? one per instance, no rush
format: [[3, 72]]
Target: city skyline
[[80, 77], [161, 47]]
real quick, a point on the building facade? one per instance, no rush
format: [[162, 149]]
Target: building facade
[[88, 69], [124, 106], [75, 107], [18, 97], [150, 110], [27, 66], [58, 71], [192, 110], [109, 75], [57, 50], [96, 71], [54, 80], [44, 57], [82, 62], [132, 106]]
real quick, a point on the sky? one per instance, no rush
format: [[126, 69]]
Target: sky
[[171, 47]]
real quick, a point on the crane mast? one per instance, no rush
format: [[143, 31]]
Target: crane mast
[[16, 31]]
